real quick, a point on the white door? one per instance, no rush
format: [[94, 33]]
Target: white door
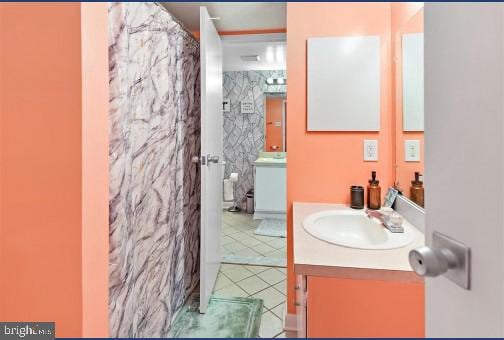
[[464, 166], [211, 156]]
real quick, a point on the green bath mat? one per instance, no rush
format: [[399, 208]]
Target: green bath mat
[[225, 318]]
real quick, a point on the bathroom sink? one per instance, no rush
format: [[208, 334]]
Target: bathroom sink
[[354, 229]]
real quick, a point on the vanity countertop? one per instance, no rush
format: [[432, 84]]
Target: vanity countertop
[[319, 258], [271, 162]]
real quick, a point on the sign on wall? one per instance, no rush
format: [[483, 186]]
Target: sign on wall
[[247, 106]]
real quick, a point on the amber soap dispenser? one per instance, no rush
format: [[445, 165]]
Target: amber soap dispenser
[[374, 193], [417, 190]]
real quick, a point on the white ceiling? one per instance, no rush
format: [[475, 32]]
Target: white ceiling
[[271, 49], [234, 16]]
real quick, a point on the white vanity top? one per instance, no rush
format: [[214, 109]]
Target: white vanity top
[[271, 162], [319, 258]]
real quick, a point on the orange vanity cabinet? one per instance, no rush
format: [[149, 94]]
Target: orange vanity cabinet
[[341, 307]]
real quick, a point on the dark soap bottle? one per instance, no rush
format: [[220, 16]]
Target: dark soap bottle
[[374, 193], [417, 190]]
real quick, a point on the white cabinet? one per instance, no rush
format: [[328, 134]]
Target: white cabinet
[[270, 191]]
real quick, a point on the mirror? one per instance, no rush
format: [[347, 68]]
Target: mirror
[[409, 101], [343, 83], [275, 110], [413, 81]]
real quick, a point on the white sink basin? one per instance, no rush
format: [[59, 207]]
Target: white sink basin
[[353, 229]]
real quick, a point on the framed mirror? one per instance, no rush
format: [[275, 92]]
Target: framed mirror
[[275, 115], [409, 100]]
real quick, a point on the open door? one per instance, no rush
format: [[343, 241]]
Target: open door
[[211, 156], [464, 168]]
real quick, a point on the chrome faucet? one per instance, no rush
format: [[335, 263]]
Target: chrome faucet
[[385, 221]]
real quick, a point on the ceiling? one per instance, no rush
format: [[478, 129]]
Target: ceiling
[[271, 49], [234, 16]]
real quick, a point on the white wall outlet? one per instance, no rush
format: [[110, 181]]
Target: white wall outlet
[[412, 150], [370, 150]]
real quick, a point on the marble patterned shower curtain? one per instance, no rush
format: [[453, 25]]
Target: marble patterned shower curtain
[[154, 186]]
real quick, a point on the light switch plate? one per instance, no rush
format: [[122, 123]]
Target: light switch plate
[[370, 150], [412, 150]]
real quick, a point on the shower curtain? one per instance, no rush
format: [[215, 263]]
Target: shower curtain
[[154, 186]]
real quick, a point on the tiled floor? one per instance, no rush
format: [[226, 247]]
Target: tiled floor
[[266, 283], [239, 239]]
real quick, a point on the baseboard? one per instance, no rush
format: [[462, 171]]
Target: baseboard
[[289, 321]]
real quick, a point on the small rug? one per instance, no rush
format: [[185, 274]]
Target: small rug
[[272, 227], [255, 260], [225, 318]]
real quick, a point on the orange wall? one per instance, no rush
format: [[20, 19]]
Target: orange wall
[[348, 308], [95, 165], [274, 113], [323, 165], [43, 233], [406, 18]]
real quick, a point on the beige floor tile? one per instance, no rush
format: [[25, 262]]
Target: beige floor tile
[[272, 276], [278, 242], [283, 270], [270, 325], [222, 281], [231, 291], [263, 248], [229, 231], [281, 287], [249, 241], [233, 247], [278, 310], [263, 238], [225, 267], [226, 240], [252, 285], [271, 297], [246, 252], [276, 253], [257, 269], [238, 274]]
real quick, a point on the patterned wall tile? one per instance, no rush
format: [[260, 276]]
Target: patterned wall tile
[[244, 133]]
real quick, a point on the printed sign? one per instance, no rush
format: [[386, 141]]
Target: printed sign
[[247, 106]]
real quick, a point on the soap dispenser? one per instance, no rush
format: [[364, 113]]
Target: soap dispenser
[[373, 193], [417, 190]]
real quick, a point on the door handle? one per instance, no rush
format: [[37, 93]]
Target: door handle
[[446, 257], [212, 159]]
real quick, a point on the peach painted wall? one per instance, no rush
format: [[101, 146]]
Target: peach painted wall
[[95, 168], [44, 140], [407, 17], [323, 165]]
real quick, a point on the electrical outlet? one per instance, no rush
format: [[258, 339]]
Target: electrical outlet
[[370, 150], [412, 150]]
